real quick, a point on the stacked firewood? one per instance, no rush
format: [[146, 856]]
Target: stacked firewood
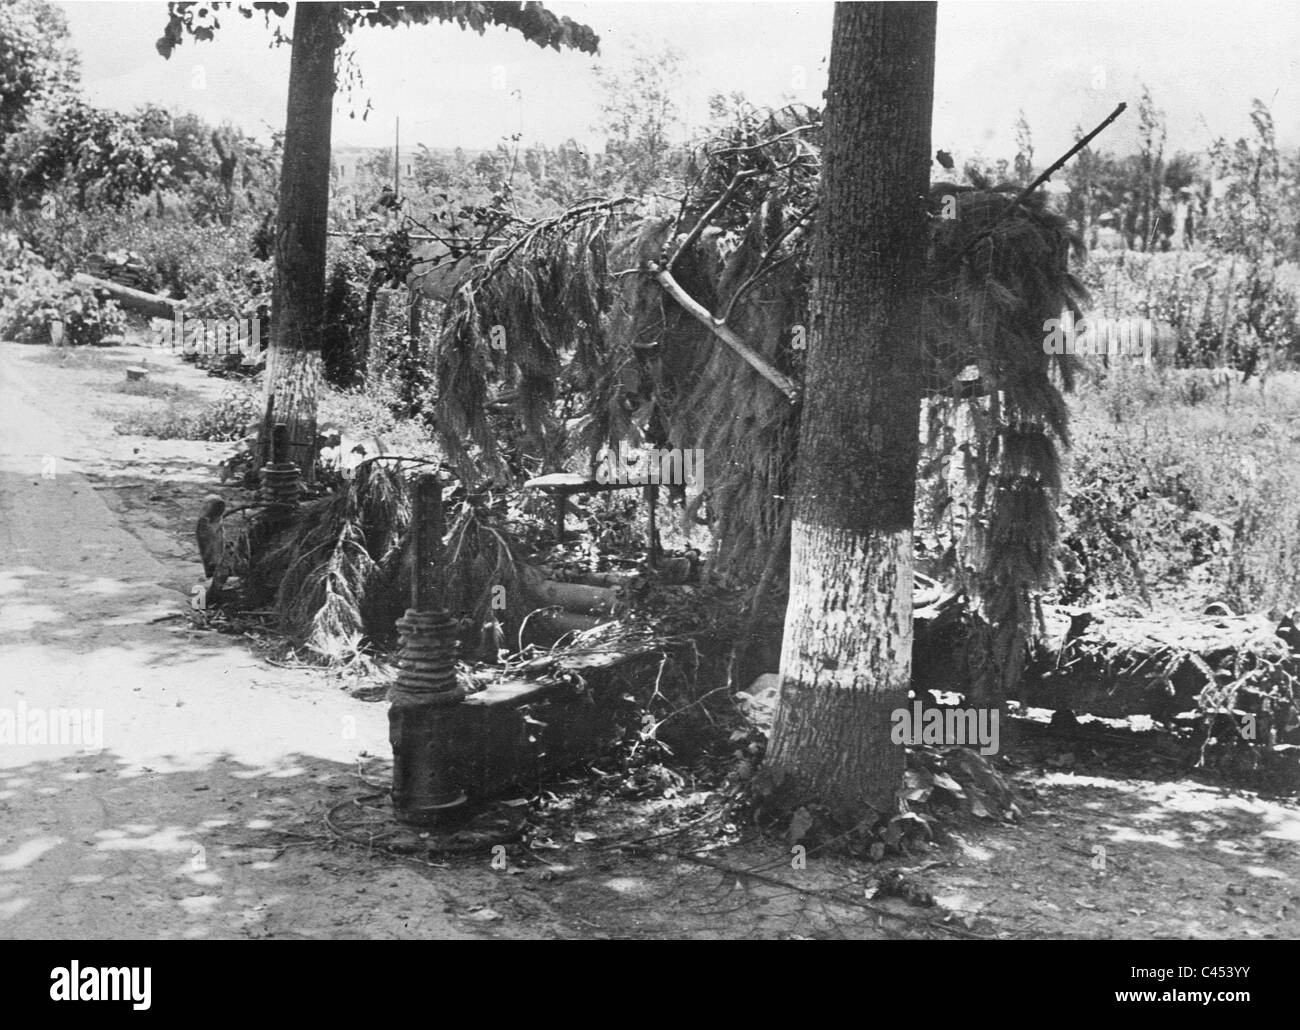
[[124, 267]]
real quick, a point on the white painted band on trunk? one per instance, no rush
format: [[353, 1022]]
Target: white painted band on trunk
[[849, 618]]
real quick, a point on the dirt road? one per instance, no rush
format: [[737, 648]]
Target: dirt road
[[203, 746]]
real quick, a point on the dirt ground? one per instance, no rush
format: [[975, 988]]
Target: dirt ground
[[202, 815]]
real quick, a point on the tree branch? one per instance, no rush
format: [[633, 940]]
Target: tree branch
[[763, 267], [737, 181], [719, 329], [1044, 177], [545, 224], [768, 142], [1056, 165]]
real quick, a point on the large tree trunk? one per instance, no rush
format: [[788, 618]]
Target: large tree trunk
[[845, 663], [293, 370]]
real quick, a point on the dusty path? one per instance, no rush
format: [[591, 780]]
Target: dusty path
[[203, 745]]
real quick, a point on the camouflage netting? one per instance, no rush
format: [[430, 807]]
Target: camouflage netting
[[576, 308], [574, 302]]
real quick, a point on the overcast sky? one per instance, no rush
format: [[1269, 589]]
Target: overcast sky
[[1063, 63]]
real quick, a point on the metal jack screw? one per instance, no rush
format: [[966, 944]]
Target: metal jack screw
[[424, 718], [280, 488]]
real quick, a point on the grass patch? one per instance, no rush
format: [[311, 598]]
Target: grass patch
[[228, 418], [75, 357], [156, 390]]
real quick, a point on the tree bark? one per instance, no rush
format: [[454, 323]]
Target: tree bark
[[846, 657], [293, 372]]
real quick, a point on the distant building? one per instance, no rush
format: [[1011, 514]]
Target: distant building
[[357, 170]]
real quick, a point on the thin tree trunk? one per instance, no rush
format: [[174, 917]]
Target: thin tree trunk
[[846, 658], [293, 373]]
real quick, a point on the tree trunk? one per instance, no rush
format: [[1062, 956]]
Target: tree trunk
[[293, 372], [846, 658]]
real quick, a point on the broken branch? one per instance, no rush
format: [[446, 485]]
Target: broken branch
[[719, 329], [1044, 177], [736, 182], [763, 267], [767, 143]]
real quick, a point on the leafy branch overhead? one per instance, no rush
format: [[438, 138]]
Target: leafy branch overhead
[[532, 20]]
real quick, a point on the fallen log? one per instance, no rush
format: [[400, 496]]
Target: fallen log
[[150, 304], [572, 597], [591, 579], [580, 598], [549, 625], [1115, 666]]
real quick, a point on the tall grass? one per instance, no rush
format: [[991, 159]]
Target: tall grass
[[1180, 454], [1218, 308]]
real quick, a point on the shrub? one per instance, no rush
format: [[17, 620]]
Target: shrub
[[361, 415], [210, 266], [34, 297], [1167, 490], [150, 388], [344, 333]]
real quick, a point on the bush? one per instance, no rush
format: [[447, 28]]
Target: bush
[[211, 267], [150, 388], [31, 297], [1128, 519], [344, 333], [1168, 491], [361, 415]]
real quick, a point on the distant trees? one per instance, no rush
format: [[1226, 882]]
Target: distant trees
[[1023, 164], [36, 66], [642, 119], [1257, 207], [525, 181], [55, 144], [320, 30], [643, 131], [1242, 195], [98, 158], [1149, 181]]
